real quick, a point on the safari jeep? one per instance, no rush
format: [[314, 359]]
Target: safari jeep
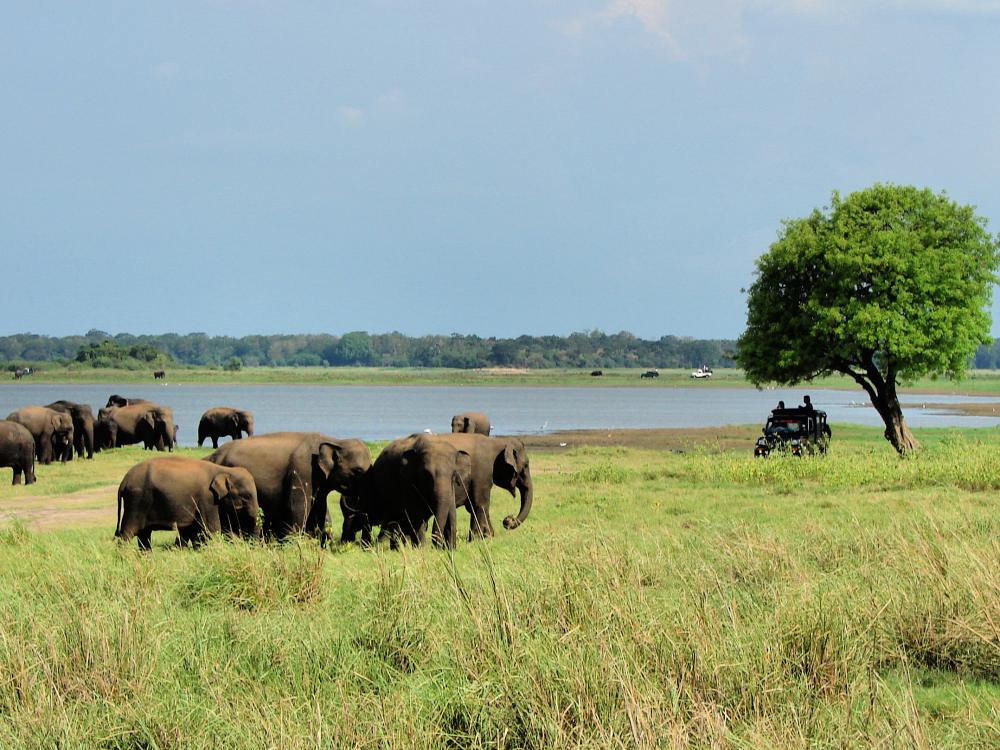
[[801, 432]]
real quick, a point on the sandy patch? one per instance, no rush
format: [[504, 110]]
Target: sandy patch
[[93, 507]]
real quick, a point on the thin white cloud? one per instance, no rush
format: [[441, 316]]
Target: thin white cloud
[[391, 101], [165, 71], [652, 15], [350, 116], [693, 29]]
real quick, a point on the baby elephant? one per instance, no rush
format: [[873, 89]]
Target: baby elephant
[[195, 497], [17, 450]]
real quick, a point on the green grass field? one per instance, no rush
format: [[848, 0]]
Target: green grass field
[[653, 599], [982, 382]]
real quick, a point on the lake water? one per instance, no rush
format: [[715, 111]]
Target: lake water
[[386, 412]]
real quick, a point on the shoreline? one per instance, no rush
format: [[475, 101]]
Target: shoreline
[[977, 383]]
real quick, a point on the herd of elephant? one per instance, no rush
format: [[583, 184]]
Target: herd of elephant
[[278, 484]]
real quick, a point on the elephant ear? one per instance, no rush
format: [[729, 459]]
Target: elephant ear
[[150, 419], [510, 460], [220, 486], [327, 457], [467, 425]]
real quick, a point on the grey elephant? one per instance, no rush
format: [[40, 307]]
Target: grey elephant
[[51, 430], [295, 472], [83, 426], [496, 461], [471, 421], [146, 423], [195, 497], [414, 479], [222, 421], [17, 451]]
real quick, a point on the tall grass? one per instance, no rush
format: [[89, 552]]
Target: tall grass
[[648, 602]]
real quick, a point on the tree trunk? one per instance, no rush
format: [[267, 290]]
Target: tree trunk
[[897, 432]]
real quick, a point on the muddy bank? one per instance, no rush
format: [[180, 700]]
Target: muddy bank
[[735, 437], [989, 409]]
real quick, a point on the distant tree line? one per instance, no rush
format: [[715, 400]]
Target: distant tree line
[[988, 357], [592, 349]]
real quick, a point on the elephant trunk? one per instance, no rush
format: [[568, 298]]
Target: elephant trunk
[[527, 490], [87, 440]]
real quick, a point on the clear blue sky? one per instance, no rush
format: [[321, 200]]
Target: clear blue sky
[[498, 168]]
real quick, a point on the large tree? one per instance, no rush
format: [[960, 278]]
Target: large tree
[[886, 285]]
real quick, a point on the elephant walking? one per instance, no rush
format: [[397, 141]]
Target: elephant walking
[[51, 430], [222, 421], [414, 479], [83, 426], [499, 461], [471, 421], [294, 473], [17, 450], [195, 497]]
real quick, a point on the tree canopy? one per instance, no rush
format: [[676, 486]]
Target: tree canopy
[[885, 285]]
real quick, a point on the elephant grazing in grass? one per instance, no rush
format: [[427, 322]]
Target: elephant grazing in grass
[[471, 421], [51, 430], [414, 479], [294, 473], [499, 461], [222, 421], [195, 497], [17, 450], [146, 423], [83, 425]]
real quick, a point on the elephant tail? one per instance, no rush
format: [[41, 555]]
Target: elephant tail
[[121, 501]]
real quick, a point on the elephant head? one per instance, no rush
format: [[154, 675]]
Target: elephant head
[[236, 495], [244, 422], [511, 471], [105, 430], [434, 468], [157, 429], [62, 435], [434, 476], [340, 466]]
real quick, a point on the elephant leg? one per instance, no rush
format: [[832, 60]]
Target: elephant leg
[[215, 442], [444, 526], [191, 536], [143, 536], [17, 475], [479, 523]]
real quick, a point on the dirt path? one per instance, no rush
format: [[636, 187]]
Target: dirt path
[[93, 507]]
